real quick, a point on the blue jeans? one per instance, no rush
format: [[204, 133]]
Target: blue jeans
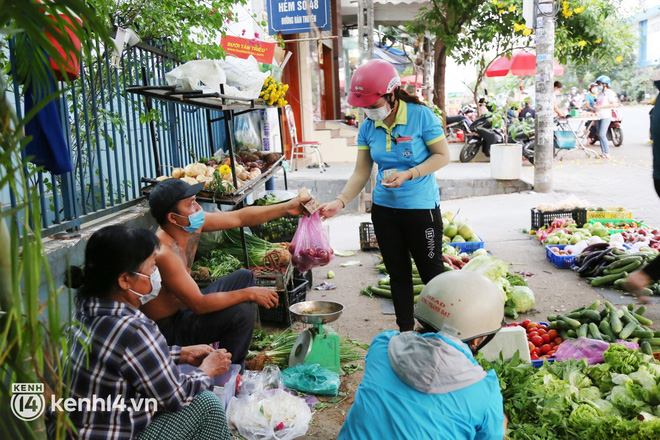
[[603, 125]]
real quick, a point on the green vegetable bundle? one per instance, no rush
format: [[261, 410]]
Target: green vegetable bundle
[[608, 324], [258, 249], [573, 400], [217, 263]]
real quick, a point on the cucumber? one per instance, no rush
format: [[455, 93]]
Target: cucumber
[[656, 334], [653, 341], [594, 305], [628, 316], [593, 329], [582, 331], [608, 338], [624, 262], [591, 315], [615, 322], [609, 306], [379, 291], [417, 288], [645, 348], [645, 291], [640, 310], [627, 330], [643, 334], [642, 319], [571, 333], [564, 334], [608, 279], [417, 280], [573, 315], [552, 318], [572, 322], [631, 307], [604, 313], [606, 329]]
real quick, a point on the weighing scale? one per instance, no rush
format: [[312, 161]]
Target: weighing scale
[[318, 344]]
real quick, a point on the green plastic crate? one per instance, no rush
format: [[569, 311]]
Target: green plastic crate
[[615, 221]]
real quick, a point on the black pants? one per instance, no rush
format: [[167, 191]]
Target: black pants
[[231, 327], [402, 233]]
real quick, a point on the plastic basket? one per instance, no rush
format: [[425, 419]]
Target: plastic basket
[[367, 237], [281, 314], [278, 230], [278, 280], [559, 261], [226, 382], [615, 221], [609, 213], [564, 139], [542, 218], [468, 246]]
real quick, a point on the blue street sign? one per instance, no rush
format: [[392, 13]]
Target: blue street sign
[[293, 17]]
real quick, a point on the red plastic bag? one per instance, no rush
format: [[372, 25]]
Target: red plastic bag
[[310, 246]]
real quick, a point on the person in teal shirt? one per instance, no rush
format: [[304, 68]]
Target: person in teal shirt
[[421, 386], [405, 139]]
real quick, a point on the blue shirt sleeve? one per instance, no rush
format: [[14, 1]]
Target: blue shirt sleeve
[[492, 426], [431, 126]]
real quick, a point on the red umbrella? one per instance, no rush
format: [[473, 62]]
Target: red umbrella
[[521, 63], [412, 79]]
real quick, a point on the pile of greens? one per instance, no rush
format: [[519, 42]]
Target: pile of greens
[[216, 263], [573, 400]]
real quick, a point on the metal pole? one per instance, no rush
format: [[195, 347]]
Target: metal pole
[[365, 21], [545, 46]]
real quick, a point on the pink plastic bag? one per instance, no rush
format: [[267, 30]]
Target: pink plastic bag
[[310, 246], [590, 349]]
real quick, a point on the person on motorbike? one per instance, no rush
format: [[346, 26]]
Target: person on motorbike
[[590, 104], [605, 102], [527, 111]]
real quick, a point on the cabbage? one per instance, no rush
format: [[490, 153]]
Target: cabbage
[[522, 297]]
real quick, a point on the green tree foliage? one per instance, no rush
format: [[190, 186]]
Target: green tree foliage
[[192, 27], [480, 31]]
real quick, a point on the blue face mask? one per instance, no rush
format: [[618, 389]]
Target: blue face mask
[[196, 220], [600, 88]]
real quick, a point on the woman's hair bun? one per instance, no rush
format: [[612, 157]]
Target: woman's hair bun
[[75, 277]]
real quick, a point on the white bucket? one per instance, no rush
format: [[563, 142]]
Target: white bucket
[[505, 161]]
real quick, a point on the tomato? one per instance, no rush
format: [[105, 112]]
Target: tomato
[[541, 331], [553, 333], [536, 340], [531, 345], [546, 338], [558, 340], [531, 326], [537, 351], [552, 352], [531, 334], [534, 356], [545, 348], [525, 323], [545, 356], [513, 324]]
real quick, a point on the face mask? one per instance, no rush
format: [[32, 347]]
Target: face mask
[[155, 287], [600, 88], [377, 114], [196, 220]]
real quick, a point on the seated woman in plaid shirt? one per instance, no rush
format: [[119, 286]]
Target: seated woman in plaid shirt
[[116, 352]]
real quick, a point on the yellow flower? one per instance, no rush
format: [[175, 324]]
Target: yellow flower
[[225, 170], [582, 43], [619, 59], [500, 5], [512, 8], [579, 10], [501, 11], [598, 41], [495, 2], [527, 32], [558, 47]]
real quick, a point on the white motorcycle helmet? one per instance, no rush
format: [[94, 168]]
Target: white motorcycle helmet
[[464, 304]]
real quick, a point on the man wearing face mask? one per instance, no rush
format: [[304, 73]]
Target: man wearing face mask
[[406, 141], [222, 312]]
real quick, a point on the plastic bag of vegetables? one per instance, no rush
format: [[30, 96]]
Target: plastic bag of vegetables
[[310, 246]]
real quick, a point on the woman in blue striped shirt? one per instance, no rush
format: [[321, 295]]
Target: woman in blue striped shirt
[[123, 376]]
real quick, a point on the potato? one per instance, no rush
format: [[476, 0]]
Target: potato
[[177, 173]]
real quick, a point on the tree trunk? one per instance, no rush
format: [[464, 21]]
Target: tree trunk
[[440, 54]]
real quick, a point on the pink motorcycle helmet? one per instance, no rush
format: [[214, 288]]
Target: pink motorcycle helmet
[[372, 80]]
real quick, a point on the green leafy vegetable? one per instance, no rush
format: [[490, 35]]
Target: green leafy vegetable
[[522, 298]]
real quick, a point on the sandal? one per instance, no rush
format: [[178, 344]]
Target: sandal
[[605, 156]]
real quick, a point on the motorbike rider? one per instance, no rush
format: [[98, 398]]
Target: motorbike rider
[[427, 384], [527, 111]]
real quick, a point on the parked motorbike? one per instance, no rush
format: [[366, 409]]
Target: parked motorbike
[[458, 127], [614, 131], [482, 137]]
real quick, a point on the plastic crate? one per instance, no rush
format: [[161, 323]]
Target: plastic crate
[[278, 230], [226, 383], [468, 246], [278, 280], [609, 212], [559, 261], [542, 218], [281, 314], [615, 221], [367, 237]]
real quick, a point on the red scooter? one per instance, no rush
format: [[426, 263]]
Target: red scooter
[[614, 131]]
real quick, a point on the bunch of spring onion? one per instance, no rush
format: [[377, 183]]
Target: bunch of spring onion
[[260, 252]]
